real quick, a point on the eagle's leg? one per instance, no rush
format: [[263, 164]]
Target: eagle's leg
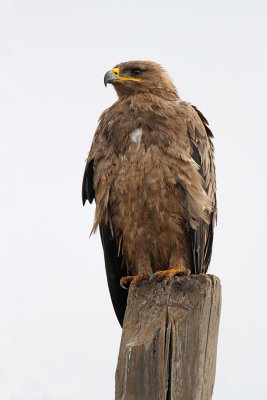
[[143, 270], [177, 268]]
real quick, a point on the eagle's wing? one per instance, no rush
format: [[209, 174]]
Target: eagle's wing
[[202, 151], [115, 268]]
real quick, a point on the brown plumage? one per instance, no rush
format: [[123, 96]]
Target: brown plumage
[[151, 172]]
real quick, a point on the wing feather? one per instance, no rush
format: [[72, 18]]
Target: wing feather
[[115, 270], [202, 153], [88, 191]]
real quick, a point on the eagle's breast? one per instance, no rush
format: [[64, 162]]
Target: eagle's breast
[[136, 136], [142, 203]]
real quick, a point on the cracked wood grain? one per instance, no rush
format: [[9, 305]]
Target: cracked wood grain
[[169, 340]]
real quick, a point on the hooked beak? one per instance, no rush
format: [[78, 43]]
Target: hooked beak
[[110, 77], [114, 76]]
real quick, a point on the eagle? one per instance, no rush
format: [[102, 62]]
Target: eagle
[[151, 173]]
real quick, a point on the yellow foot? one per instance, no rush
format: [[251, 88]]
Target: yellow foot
[[133, 282], [168, 274]]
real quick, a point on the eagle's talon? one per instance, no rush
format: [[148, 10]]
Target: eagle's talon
[[165, 282], [133, 281], [123, 286], [126, 281], [152, 277], [167, 275]]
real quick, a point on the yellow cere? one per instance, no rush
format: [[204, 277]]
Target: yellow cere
[[116, 73]]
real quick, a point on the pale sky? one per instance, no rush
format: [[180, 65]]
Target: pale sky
[[59, 337]]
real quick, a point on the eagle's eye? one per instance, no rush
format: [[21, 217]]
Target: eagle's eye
[[135, 72]]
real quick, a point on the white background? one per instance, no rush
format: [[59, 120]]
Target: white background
[[59, 336]]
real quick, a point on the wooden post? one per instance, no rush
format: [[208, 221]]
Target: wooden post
[[169, 340]]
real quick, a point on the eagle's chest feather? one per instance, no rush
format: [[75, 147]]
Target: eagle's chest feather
[[138, 178], [138, 192], [142, 169], [138, 187], [136, 136]]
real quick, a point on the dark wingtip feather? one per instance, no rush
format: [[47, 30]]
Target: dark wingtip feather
[[204, 121], [209, 133], [115, 270], [88, 192]]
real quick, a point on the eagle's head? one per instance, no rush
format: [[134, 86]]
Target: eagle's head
[[134, 77]]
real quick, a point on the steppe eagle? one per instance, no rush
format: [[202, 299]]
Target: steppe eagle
[[151, 172]]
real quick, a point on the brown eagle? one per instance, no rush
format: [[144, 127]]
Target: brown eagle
[[151, 172]]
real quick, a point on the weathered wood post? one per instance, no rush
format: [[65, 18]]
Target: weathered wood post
[[169, 340]]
